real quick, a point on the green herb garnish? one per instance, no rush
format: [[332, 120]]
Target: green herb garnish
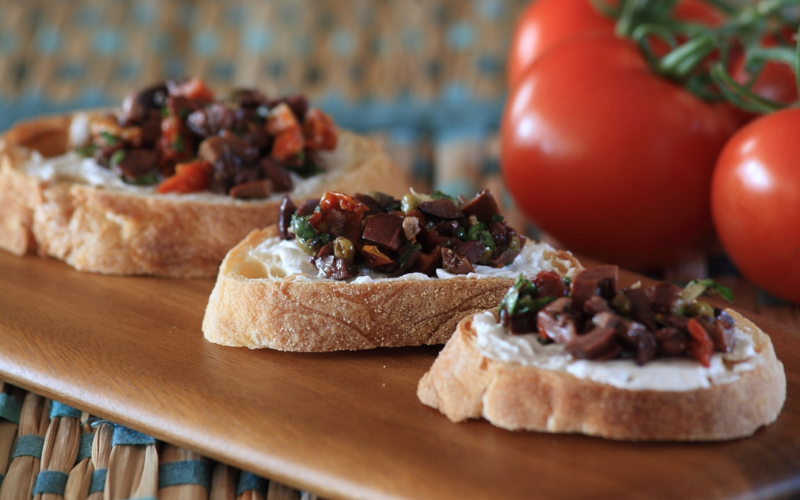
[[307, 237], [109, 139], [509, 302], [178, 145], [308, 166], [117, 157], [696, 288], [438, 195], [479, 232], [407, 253], [147, 179], [87, 151]]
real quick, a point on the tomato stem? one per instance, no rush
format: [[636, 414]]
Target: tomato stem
[[739, 95], [682, 60]]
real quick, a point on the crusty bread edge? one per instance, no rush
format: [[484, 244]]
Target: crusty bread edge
[[123, 233], [328, 315], [464, 384]]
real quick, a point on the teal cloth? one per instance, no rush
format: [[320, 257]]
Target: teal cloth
[[51, 481], [10, 408], [61, 410], [98, 480], [184, 472], [85, 449], [29, 445], [129, 437], [249, 481]]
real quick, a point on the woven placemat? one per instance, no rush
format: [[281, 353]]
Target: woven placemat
[[50, 451]]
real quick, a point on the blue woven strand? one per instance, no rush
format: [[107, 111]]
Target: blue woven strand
[[29, 445], [10, 408], [51, 481], [61, 410], [130, 437], [249, 481], [184, 472], [98, 480], [85, 449]]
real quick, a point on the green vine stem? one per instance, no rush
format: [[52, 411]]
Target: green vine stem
[[699, 56]]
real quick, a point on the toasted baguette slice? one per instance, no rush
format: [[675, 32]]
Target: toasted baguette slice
[[109, 230], [465, 383], [254, 304]]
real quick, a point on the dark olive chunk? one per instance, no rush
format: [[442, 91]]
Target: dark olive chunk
[[455, 263], [278, 174], [385, 230], [442, 208], [483, 206]]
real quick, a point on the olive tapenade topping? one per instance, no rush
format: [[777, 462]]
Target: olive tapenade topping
[[177, 136], [418, 233], [595, 319]]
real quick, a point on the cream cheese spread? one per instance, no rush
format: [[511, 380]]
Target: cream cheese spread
[[662, 374], [284, 258]]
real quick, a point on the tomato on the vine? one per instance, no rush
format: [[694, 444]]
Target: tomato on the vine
[[775, 82], [755, 202], [545, 23], [609, 158]]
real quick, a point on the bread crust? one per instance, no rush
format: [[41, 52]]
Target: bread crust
[[463, 384], [127, 233], [317, 316]]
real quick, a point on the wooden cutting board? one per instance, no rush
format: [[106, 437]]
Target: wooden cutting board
[[342, 425]]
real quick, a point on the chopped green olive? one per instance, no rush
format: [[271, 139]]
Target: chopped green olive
[[485, 256], [700, 308], [622, 304], [409, 203], [343, 248]]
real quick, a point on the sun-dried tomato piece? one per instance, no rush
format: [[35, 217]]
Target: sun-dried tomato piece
[[190, 177], [288, 144], [701, 345], [319, 130], [193, 88]]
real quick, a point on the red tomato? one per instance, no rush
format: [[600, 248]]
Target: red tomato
[[545, 23], [189, 177], [607, 157], [755, 202]]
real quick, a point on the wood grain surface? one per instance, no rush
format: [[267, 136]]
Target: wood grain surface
[[342, 425]]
